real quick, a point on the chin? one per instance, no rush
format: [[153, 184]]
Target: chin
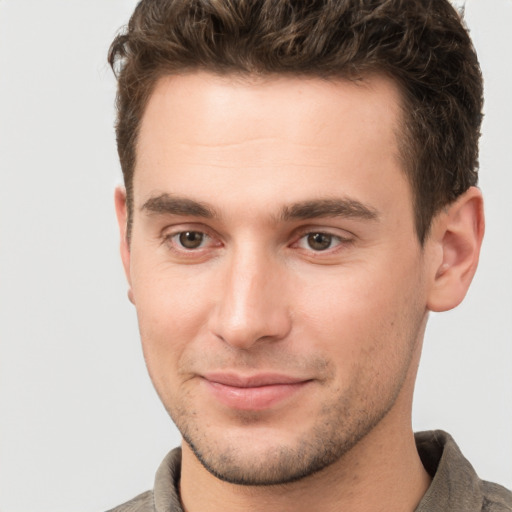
[[268, 458], [262, 467]]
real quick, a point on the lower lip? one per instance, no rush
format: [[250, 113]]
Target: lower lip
[[253, 398]]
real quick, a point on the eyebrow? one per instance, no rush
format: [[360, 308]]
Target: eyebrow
[[342, 207], [168, 204], [173, 205]]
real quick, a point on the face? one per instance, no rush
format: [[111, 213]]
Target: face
[[279, 283]]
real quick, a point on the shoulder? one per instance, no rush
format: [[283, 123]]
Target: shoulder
[[455, 485], [496, 498], [141, 503], [165, 494]]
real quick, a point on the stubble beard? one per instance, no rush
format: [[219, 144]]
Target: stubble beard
[[339, 428], [342, 422]]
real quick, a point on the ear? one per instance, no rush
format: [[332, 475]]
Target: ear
[[457, 232], [122, 220]]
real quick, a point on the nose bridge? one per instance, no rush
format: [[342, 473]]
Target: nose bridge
[[251, 306]]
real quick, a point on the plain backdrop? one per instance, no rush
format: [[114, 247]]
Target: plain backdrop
[[81, 428]]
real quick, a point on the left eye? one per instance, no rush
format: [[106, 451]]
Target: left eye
[[319, 241], [190, 239]]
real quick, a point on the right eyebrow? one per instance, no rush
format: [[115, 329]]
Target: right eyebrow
[[175, 205]]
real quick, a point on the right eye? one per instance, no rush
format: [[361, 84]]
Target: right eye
[[190, 240], [190, 245]]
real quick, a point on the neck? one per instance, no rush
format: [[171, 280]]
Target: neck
[[382, 472]]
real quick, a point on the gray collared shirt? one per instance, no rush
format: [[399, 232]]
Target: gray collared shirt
[[455, 486]]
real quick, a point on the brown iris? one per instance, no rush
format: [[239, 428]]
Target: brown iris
[[319, 241], [191, 239]]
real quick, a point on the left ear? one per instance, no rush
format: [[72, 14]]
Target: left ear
[[457, 232]]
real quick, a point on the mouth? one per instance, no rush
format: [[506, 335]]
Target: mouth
[[254, 392]]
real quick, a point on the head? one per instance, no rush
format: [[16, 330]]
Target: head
[[298, 197], [422, 46]]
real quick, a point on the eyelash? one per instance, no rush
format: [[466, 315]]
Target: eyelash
[[172, 240], [334, 241]]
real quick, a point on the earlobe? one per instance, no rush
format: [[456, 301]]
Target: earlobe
[[122, 218], [458, 231]]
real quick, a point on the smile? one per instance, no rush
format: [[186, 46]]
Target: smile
[[252, 393]]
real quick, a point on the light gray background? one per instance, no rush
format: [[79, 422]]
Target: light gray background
[[81, 428]]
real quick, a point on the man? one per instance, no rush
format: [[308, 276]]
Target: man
[[300, 193]]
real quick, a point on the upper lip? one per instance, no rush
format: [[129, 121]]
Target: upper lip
[[251, 381]]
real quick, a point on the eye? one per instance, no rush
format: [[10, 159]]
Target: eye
[[190, 239], [188, 244], [319, 241]]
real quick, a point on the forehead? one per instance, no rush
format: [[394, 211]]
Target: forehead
[[296, 134], [264, 105]]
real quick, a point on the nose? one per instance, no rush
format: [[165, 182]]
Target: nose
[[252, 305]]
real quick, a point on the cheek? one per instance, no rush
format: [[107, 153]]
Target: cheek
[[363, 317], [171, 309], [346, 299]]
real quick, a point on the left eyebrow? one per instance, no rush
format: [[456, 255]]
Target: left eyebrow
[[343, 207]]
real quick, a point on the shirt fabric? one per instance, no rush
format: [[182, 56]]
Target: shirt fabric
[[455, 486]]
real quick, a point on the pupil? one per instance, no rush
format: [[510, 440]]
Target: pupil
[[191, 239], [319, 241]]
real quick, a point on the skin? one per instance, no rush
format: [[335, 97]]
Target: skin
[[301, 261]]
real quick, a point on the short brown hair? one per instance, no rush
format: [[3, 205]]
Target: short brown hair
[[421, 44]]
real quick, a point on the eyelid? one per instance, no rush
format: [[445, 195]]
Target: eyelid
[[342, 236], [333, 231], [181, 227], [337, 240], [169, 232], [175, 238]]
